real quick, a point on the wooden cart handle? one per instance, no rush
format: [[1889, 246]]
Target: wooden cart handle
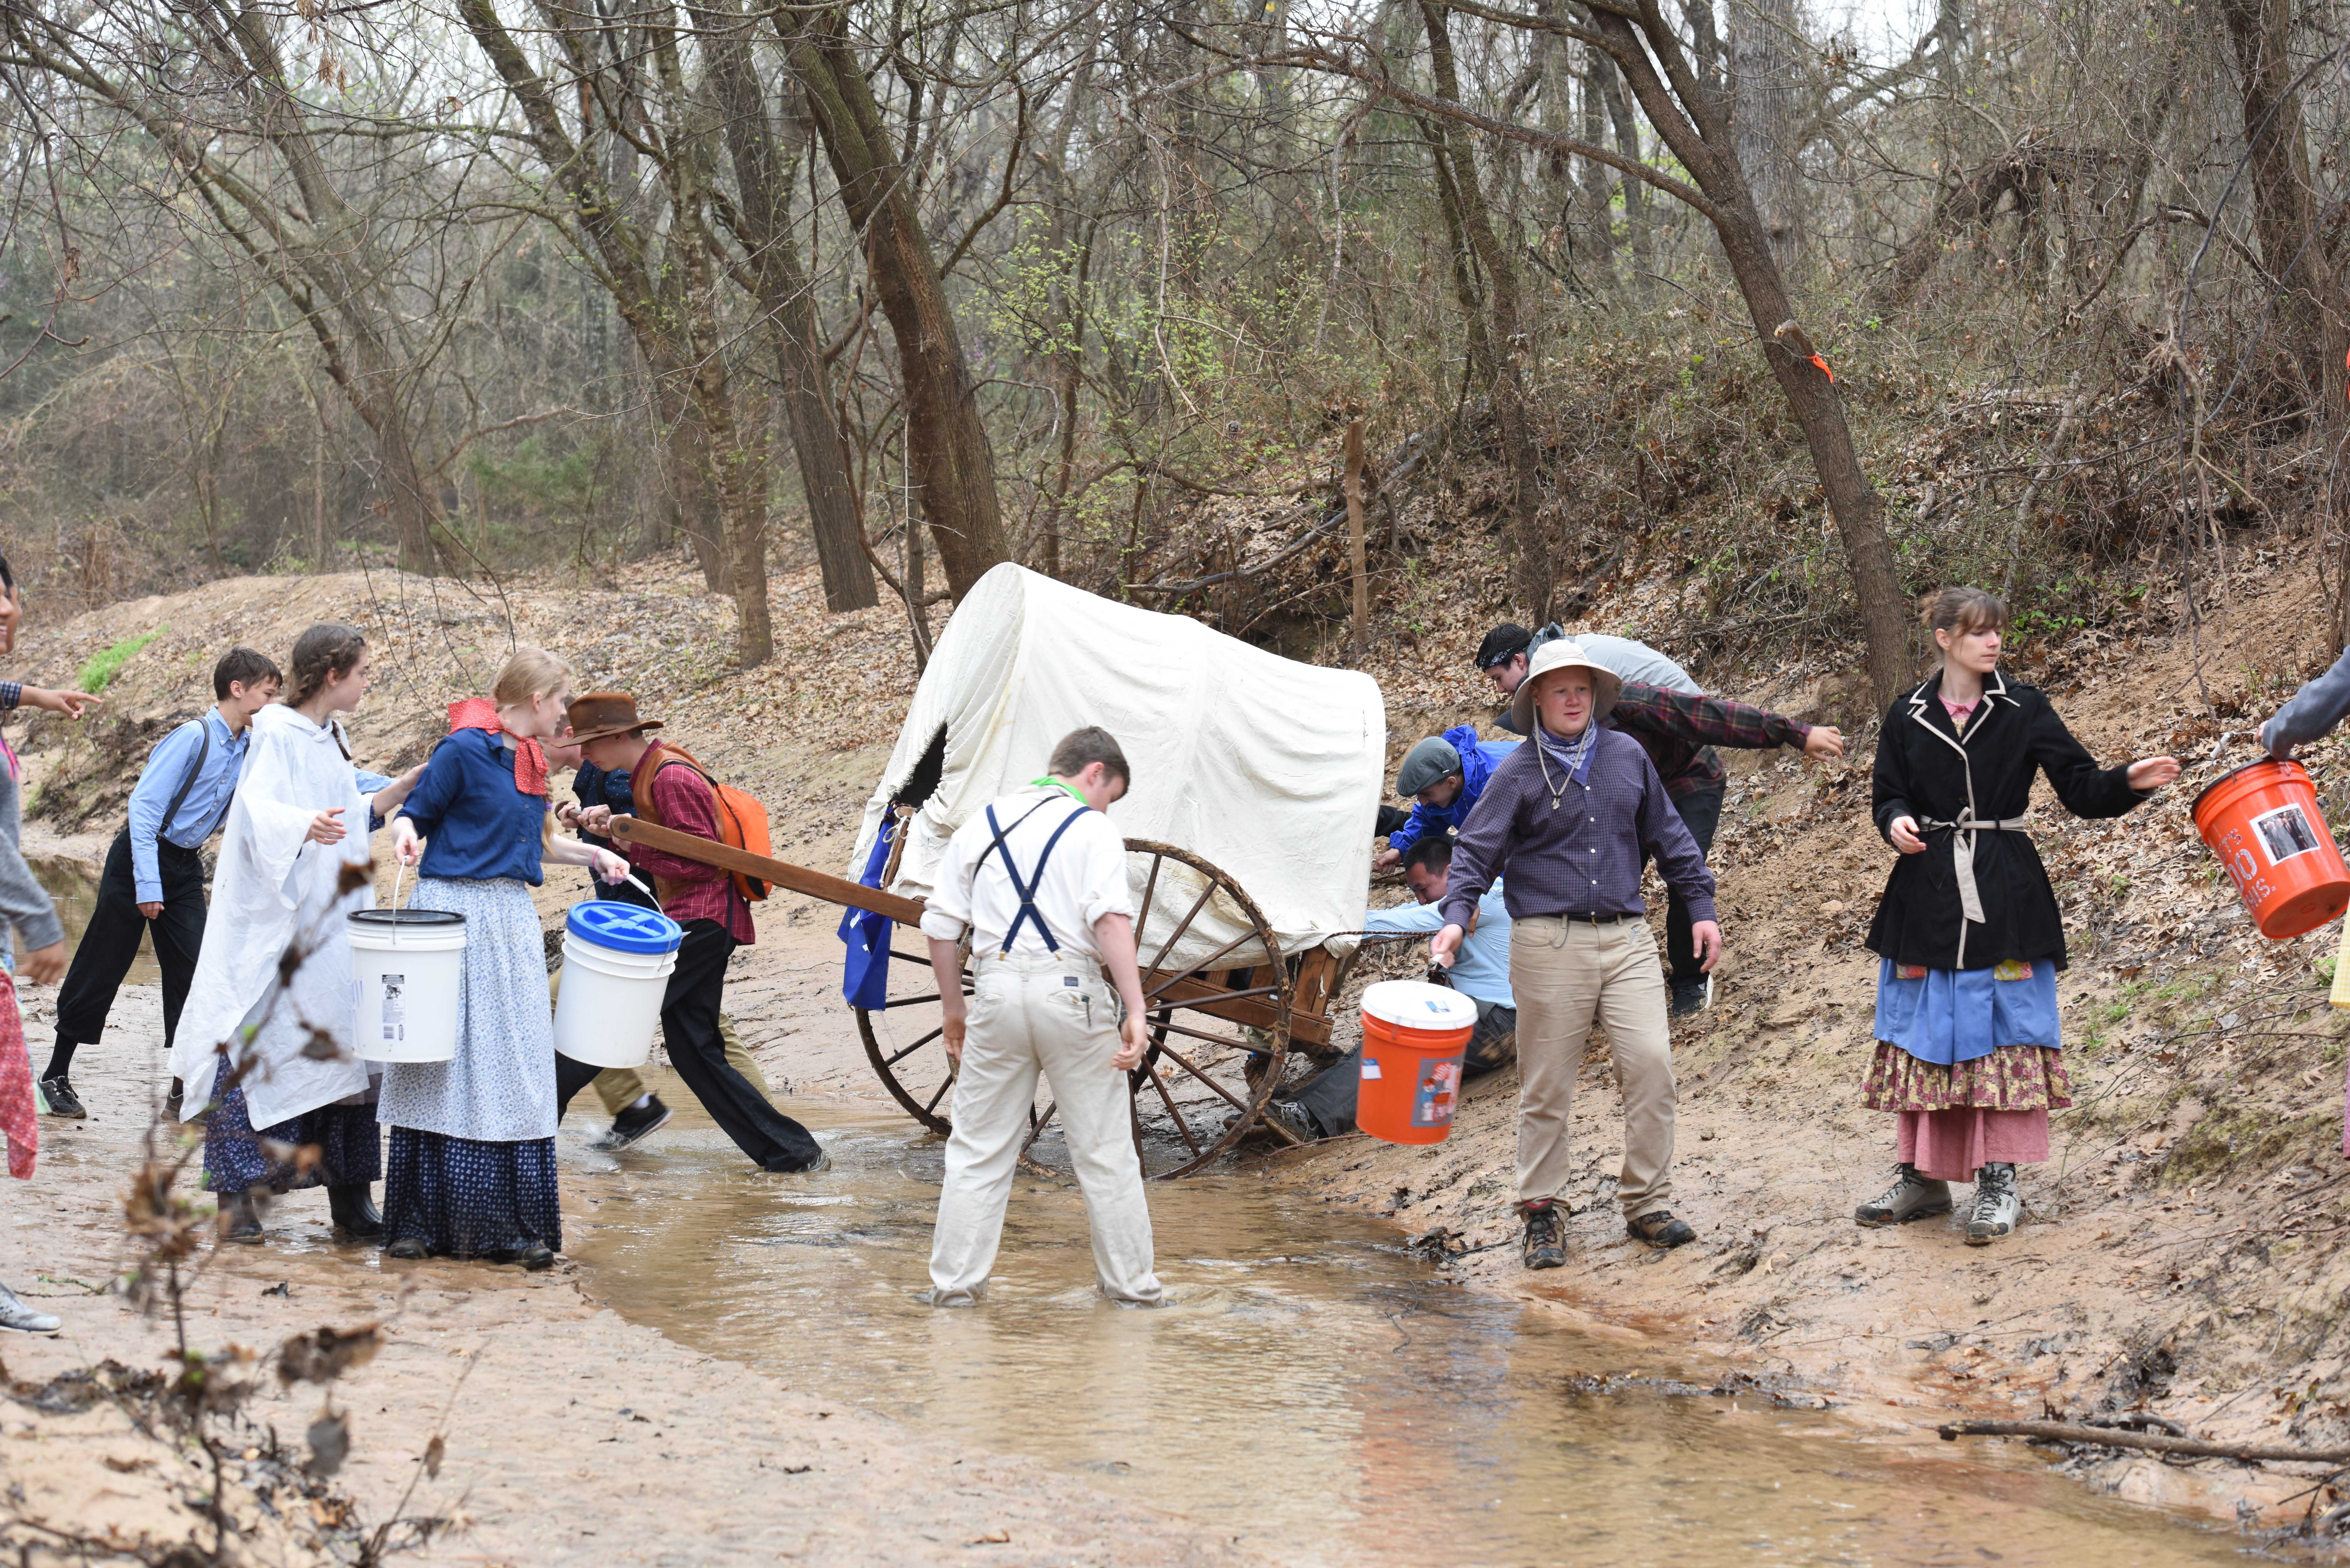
[[795, 878]]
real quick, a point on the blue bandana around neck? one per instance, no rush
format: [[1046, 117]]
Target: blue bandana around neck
[[1574, 756]]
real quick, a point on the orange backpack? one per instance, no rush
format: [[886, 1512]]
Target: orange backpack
[[742, 820]]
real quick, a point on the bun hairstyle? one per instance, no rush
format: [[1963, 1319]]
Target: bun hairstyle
[[328, 648], [1961, 611]]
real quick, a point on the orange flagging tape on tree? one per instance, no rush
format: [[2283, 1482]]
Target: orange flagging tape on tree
[[1823, 364]]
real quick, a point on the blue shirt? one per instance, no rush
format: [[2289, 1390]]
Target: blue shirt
[[203, 810], [602, 787], [475, 822], [1481, 968], [1478, 761]]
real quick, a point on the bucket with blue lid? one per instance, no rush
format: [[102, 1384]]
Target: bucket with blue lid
[[617, 961]]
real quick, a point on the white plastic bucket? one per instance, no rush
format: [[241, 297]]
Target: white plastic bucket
[[409, 965], [611, 996]]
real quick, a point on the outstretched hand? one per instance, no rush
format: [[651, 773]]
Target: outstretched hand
[[2152, 773], [327, 826], [72, 704], [1823, 740]]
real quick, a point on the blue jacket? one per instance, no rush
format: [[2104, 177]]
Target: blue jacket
[[475, 822], [2314, 709], [1478, 760]]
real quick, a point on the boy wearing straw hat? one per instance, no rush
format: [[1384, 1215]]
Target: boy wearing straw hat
[[1567, 821]]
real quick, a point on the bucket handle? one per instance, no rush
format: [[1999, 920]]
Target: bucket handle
[[399, 869], [2221, 745]]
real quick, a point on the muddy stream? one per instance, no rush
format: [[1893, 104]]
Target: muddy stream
[[1316, 1394]]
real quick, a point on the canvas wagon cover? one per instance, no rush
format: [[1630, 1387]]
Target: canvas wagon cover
[[1266, 768]]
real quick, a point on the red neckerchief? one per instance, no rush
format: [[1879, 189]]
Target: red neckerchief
[[530, 762]]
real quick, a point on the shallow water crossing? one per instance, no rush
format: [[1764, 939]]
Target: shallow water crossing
[[1315, 1394]]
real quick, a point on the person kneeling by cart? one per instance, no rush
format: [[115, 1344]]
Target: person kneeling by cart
[[1038, 882], [1570, 816], [1324, 1107], [670, 789]]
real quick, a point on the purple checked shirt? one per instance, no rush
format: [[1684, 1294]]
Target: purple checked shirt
[[1565, 848]]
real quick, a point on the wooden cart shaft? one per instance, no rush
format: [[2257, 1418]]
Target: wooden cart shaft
[[1307, 1025]]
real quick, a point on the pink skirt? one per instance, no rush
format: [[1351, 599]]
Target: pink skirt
[[1951, 1146]]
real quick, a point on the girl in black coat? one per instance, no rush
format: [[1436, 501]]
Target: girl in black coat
[[1968, 936]]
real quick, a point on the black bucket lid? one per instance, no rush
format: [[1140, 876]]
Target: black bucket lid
[[405, 918]]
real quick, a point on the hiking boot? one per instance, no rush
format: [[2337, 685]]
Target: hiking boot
[[352, 1207], [16, 1314], [633, 1125], [1660, 1228], [1290, 1120], [241, 1218], [409, 1250], [1546, 1239], [1911, 1196], [1691, 997], [1999, 1206], [62, 1100], [531, 1255]]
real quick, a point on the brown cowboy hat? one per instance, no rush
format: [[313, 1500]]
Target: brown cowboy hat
[[602, 714]]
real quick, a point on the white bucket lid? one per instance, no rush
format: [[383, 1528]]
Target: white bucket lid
[[1416, 1004]]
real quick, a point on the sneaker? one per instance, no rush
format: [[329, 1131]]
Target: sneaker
[[173, 1103], [1911, 1196], [823, 1161], [1660, 1228], [1999, 1206], [632, 1126], [16, 1314], [1691, 997], [1545, 1240], [62, 1100]]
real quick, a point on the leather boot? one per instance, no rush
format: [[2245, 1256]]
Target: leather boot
[[353, 1206], [243, 1220]]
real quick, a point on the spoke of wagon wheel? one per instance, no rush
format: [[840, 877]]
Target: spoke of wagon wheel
[[1038, 1124], [1190, 915], [917, 1045], [1200, 1003], [1207, 962], [1224, 1040], [1179, 1059], [1168, 1100], [910, 1001], [943, 1090], [1148, 888]]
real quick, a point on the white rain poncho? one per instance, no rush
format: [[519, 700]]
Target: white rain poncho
[[1268, 769], [274, 890]]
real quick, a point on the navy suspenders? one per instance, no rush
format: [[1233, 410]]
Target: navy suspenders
[[1028, 910]]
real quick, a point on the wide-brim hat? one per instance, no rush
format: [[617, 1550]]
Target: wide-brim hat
[[1564, 653], [602, 714]]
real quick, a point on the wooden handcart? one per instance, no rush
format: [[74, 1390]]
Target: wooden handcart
[[1226, 1032]]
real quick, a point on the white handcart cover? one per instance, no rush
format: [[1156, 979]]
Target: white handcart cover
[[1268, 769]]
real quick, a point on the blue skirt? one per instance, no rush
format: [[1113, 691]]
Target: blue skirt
[[1947, 1016], [348, 1151], [465, 1198]]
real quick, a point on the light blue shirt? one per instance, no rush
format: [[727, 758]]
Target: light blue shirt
[[1481, 968], [1636, 663], [203, 809]]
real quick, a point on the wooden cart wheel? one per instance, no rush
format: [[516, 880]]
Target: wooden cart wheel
[[1205, 1076], [902, 1039]]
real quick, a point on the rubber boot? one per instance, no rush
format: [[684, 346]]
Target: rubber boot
[[243, 1216], [353, 1206]]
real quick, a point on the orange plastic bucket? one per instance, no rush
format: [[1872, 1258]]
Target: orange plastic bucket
[[2264, 823], [1413, 1036]]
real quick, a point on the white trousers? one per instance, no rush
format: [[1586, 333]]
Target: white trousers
[[1032, 1013]]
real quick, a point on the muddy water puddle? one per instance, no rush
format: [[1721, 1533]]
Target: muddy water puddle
[[1316, 1394], [72, 886]]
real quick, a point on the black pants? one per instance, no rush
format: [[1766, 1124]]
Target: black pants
[[1327, 1099], [690, 1027], [112, 941], [1702, 812]]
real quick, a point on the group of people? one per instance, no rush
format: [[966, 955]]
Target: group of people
[[259, 1006]]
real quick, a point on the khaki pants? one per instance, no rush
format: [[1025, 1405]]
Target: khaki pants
[[621, 1087], [1567, 975], [1032, 1013]]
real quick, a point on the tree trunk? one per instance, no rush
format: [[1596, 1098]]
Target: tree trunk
[[1507, 385], [691, 489], [947, 443], [2283, 212], [787, 305], [1766, 86]]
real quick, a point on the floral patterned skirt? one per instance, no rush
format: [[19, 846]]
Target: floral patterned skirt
[[2011, 1078]]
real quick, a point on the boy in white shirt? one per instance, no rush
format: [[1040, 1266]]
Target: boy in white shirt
[[1038, 880]]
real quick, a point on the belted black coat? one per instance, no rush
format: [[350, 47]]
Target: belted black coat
[[1927, 770]]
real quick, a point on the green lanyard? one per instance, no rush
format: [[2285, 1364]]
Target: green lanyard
[[1049, 782]]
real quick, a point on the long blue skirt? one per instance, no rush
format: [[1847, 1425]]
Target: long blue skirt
[[466, 1199], [236, 1161]]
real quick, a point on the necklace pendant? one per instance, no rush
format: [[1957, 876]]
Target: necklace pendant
[[1553, 806]]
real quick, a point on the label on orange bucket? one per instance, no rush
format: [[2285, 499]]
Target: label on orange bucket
[[1439, 1090], [2284, 834]]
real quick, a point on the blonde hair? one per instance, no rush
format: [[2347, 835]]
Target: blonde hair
[[531, 673]]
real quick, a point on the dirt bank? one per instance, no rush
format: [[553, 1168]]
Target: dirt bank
[[2182, 1253]]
